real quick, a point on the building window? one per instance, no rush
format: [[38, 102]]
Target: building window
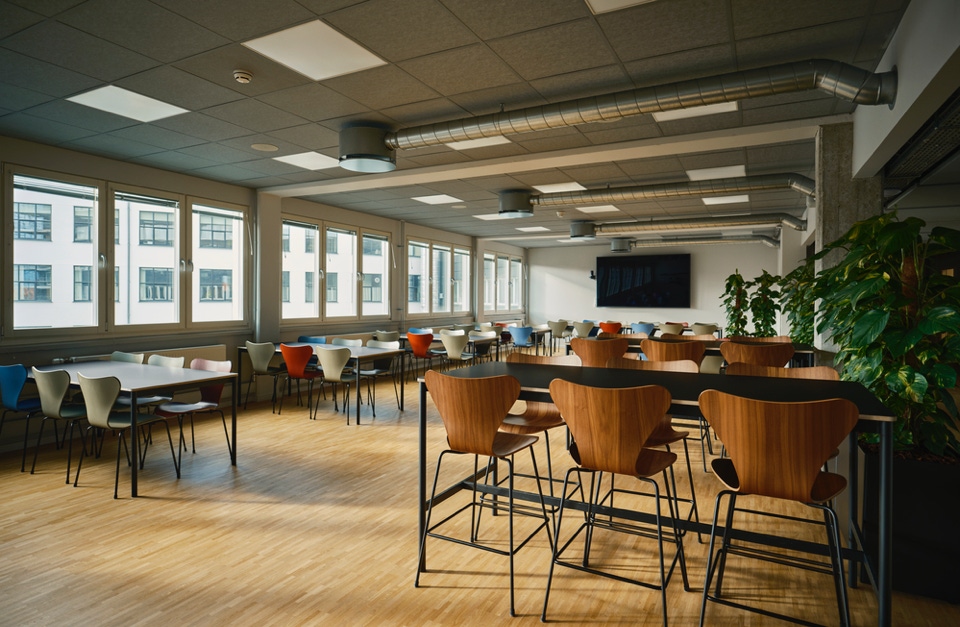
[[331, 242], [310, 241], [32, 282], [285, 286], [81, 284], [413, 288], [156, 228], [332, 287], [83, 224], [31, 221], [372, 288], [116, 226], [216, 285], [116, 284], [156, 284], [308, 287], [373, 246], [285, 238], [216, 231]]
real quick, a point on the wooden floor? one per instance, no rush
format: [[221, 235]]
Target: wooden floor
[[318, 525]]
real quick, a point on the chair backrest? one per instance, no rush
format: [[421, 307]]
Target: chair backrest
[[610, 327], [12, 380], [342, 341], [482, 341], [596, 353], [557, 327], [384, 363], [297, 357], [521, 335], [419, 331], [685, 338], [704, 328], [385, 336], [555, 360], [657, 350], [820, 373], [466, 328], [582, 329], [52, 385], [482, 335], [678, 365], [165, 361], [472, 426], [312, 339], [778, 449], [454, 345], [671, 327], [260, 354], [778, 339], [133, 358], [211, 393], [643, 327], [452, 332], [99, 395], [763, 354], [333, 360], [420, 344], [610, 425]]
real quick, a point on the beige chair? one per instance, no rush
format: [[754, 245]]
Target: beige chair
[[133, 358], [100, 396], [333, 361], [704, 328], [261, 355], [610, 428], [380, 368], [776, 450], [386, 336], [764, 354], [154, 360], [455, 348], [596, 353], [343, 341], [558, 332], [209, 402], [474, 428], [52, 386], [582, 329], [670, 327]]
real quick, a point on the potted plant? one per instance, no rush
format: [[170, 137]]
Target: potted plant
[[764, 304], [797, 302], [895, 317], [736, 302]]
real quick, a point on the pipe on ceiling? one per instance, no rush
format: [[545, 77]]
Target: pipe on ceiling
[[836, 78], [693, 241], [586, 230]]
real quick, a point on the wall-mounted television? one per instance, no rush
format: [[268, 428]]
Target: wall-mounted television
[[647, 281]]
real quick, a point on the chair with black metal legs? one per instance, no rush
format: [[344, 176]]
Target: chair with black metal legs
[[334, 360], [610, 428], [100, 397], [53, 385], [776, 450], [296, 357], [380, 368], [12, 380], [261, 355], [473, 428], [209, 402]]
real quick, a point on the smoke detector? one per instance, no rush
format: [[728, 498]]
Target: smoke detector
[[242, 76]]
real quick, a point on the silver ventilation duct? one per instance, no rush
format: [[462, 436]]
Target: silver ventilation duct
[[838, 79], [693, 241], [679, 224]]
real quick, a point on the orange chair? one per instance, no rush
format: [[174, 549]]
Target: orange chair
[[420, 350], [297, 357], [610, 327], [596, 353]]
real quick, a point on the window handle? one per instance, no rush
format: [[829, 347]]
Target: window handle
[[102, 261]]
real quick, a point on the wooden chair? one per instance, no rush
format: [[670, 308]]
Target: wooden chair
[[596, 353], [821, 373], [610, 428], [656, 350], [763, 354], [776, 451], [474, 428]]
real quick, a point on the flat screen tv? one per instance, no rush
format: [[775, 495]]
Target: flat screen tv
[[647, 281]]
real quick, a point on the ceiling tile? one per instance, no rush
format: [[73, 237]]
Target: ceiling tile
[[155, 136], [239, 20], [559, 49], [378, 88], [43, 77], [447, 72], [312, 102], [217, 66], [498, 18], [202, 125], [176, 87], [312, 136], [254, 115], [660, 28], [14, 18]]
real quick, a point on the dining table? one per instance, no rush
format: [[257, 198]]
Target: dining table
[[685, 389], [147, 379]]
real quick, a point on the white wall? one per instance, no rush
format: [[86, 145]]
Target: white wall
[[560, 284]]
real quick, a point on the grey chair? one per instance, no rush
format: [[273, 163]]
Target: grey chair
[[261, 355], [153, 360], [209, 402], [333, 360], [53, 385], [380, 368]]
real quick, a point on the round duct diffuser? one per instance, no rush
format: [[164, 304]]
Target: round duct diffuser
[[621, 245], [581, 229], [362, 149], [515, 203]]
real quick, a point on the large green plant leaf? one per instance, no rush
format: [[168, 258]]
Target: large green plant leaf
[[895, 237], [940, 320], [899, 342], [869, 327], [907, 383]]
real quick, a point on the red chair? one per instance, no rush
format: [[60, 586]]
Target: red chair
[[297, 357], [610, 327], [420, 349]]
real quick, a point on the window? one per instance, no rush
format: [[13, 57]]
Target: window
[[156, 228], [216, 285], [156, 284], [300, 258], [116, 226], [285, 238], [285, 286], [215, 231], [413, 288], [438, 278], [502, 282], [32, 282], [31, 221], [516, 284], [332, 285], [441, 278], [83, 224], [373, 246], [489, 282], [310, 242], [81, 283], [461, 280], [372, 288], [417, 276], [116, 284], [308, 288], [331, 243]]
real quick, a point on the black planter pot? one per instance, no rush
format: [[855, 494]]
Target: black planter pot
[[926, 517]]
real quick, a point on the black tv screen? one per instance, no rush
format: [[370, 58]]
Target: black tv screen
[[644, 281]]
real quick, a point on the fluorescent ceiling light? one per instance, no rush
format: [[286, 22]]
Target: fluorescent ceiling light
[[725, 200], [693, 112], [569, 241], [724, 172], [467, 144], [559, 187], [315, 50], [492, 216], [310, 161], [606, 6], [532, 229], [127, 103], [438, 199], [598, 209]]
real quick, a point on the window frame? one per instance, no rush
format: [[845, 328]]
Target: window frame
[[429, 248]]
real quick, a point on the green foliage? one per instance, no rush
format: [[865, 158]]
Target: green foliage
[[896, 321], [736, 302], [764, 304], [797, 302]]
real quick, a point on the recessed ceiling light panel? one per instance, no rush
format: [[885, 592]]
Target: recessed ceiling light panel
[[725, 200], [532, 229], [694, 112], [483, 142], [724, 172], [559, 187], [438, 199], [491, 216], [606, 6], [310, 161], [129, 104], [598, 209]]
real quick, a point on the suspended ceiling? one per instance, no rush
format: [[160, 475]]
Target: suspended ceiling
[[444, 59]]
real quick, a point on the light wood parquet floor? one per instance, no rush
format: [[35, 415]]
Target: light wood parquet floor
[[318, 525]]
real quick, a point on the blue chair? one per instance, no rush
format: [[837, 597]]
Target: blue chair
[[12, 380], [312, 339], [522, 337], [596, 328], [643, 327]]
